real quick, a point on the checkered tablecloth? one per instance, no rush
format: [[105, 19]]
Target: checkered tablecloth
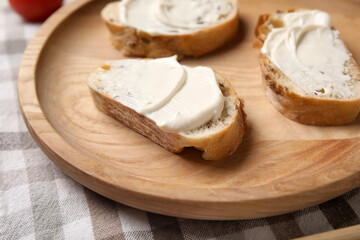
[[38, 201]]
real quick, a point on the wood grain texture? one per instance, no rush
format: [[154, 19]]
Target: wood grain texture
[[280, 167]]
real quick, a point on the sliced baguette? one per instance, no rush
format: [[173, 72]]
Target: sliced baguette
[[292, 101], [134, 42], [217, 139]]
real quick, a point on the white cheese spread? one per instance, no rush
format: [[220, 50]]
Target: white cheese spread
[[175, 97], [173, 17], [310, 53], [144, 85]]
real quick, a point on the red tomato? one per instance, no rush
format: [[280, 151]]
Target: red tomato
[[35, 10]]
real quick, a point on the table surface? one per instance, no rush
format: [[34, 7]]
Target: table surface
[[38, 201]]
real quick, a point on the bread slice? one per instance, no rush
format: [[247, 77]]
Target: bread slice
[[217, 139], [294, 102], [135, 42]]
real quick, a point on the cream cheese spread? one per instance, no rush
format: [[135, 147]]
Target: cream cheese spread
[[173, 17], [144, 85], [310, 53], [197, 102], [177, 98]]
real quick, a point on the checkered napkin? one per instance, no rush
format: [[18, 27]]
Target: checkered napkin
[[38, 201]]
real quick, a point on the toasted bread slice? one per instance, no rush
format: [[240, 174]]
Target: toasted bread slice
[[135, 42], [294, 102], [217, 139]]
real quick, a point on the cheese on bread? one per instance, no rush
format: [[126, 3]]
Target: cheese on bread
[[158, 28], [177, 98], [311, 54], [308, 73], [175, 106]]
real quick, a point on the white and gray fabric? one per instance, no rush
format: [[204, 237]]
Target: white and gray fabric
[[38, 201]]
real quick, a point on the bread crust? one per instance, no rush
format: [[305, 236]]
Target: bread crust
[[134, 42], [309, 110], [215, 146]]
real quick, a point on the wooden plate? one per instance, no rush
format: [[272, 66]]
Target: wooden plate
[[280, 167]]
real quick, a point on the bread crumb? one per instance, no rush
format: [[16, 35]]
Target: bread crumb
[[105, 67]]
